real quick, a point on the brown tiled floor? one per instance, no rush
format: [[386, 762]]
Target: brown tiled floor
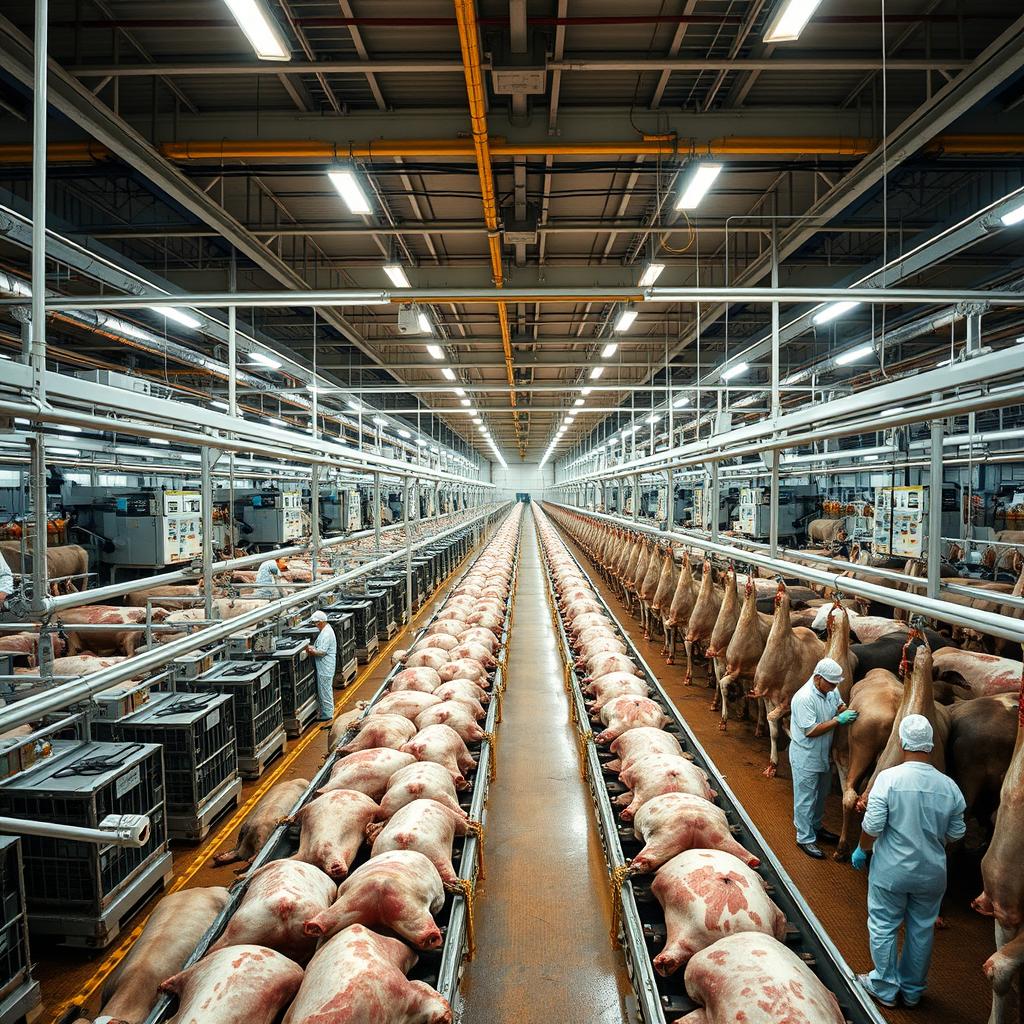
[[958, 992]]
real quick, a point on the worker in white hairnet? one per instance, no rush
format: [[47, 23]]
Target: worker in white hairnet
[[267, 575], [815, 712], [325, 651], [913, 812]]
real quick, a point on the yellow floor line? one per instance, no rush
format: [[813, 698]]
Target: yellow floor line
[[228, 826]]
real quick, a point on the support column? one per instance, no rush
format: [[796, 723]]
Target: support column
[[670, 507], [714, 499], [773, 509], [314, 514], [407, 494], [206, 496], [376, 513], [935, 507]]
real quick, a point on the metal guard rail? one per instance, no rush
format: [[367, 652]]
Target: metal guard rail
[[277, 842], [828, 962]]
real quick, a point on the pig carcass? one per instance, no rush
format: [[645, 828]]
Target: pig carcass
[[637, 743], [247, 983], [605, 663], [358, 977], [367, 771], [656, 774], [280, 898], [111, 640], [443, 745], [702, 619], [332, 828], [380, 731], [423, 825], [399, 891], [456, 716], [170, 934], [706, 895], [755, 979], [625, 713], [674, 822], [271, 811], [464, 690], [428, 657], [421, 678], [408, 703], [423, 780], [464, 668]]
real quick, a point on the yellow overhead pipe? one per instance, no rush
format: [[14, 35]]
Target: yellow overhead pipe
[[465, 15], [319, 151]]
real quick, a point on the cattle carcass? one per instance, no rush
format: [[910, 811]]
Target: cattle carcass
[[62, 560]]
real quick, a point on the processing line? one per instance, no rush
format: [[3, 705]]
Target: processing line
[[641, 919]]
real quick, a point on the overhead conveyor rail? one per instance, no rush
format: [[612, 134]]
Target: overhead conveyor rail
[[441, 969], [641, 920]]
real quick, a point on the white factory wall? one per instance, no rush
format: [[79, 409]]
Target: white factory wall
[[521, 477]]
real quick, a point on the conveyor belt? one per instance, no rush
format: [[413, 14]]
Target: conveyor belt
[[642, 924], [439, 968]]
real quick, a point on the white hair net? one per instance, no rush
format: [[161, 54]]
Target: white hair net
[[916, 734], [830, 670], [318, 617]]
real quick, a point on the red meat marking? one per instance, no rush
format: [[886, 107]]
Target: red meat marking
[[722, 893]]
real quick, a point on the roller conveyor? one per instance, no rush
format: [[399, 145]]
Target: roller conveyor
[[441, 968], [641, 919]]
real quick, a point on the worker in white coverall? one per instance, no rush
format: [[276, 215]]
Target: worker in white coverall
[[268, 574], [6, 582], [815, 711], [325, 652], [913, 812]]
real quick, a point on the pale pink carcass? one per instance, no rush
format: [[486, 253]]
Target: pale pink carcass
[[487, 619], [984, 675], [631, 686], [244, 983], [358, 977], [605, 663], [268, 813], [332, 828], [443, 641], [478, 635], [455, 715], [281, 896], [464, 668], [639, 743], [424, 780], [706, 895], [408, 703], [656, 774], [381, 731], [444, 746], [756, 979], [474, 652], [399, 891], [453, 627], [424, 679], [367, 771], [464, 690], [625, 713], [603, 644], [424, 825], [430, 657], [674, 822]]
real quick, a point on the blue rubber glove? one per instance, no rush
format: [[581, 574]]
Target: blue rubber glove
[[859, 860], [846, 717]]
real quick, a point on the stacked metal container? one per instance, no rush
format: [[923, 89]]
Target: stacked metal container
[[19, 992], [297, 676]]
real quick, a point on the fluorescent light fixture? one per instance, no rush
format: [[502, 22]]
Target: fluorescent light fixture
[[354, 405], [465, 402], [830, 313], [259, 357], [596, 372], [697, 186], [380, 421], [448, 373], [397, 274], [461, 392], [277, 422], [345, 181], [483, 430], [680, 402], [424, 321], [218, 404], [893, 411], [435, 352], [158, 440], [651, 274], [653, 418], [624, 322], [73, 430], [178, 316], [64, 451], [477, 420], [569, 420], [405, 434], [421, 442], [260, 29], [735, 371], [579, 402], [610, 349], [790, 20], [2, 356], [1015, 216], [861, 352], [870, 458], [586, 391]]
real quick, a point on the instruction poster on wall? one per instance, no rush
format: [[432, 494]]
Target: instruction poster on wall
[[899, 527]]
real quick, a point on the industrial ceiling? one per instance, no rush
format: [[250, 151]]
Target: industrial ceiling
[[530, 145]]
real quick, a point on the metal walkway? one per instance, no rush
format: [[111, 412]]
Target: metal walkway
[[543, 917]]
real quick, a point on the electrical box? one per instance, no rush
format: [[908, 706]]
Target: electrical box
[[900, 521], [408, 319], [146, 528], [274, 517]]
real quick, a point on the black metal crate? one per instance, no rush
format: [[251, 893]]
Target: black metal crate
[[364, 616], [197, 731], [344, 625], [396, 586], [296, 672], [421, 588], [82, 783], [15, 962], [383, 609], [257, 700]]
